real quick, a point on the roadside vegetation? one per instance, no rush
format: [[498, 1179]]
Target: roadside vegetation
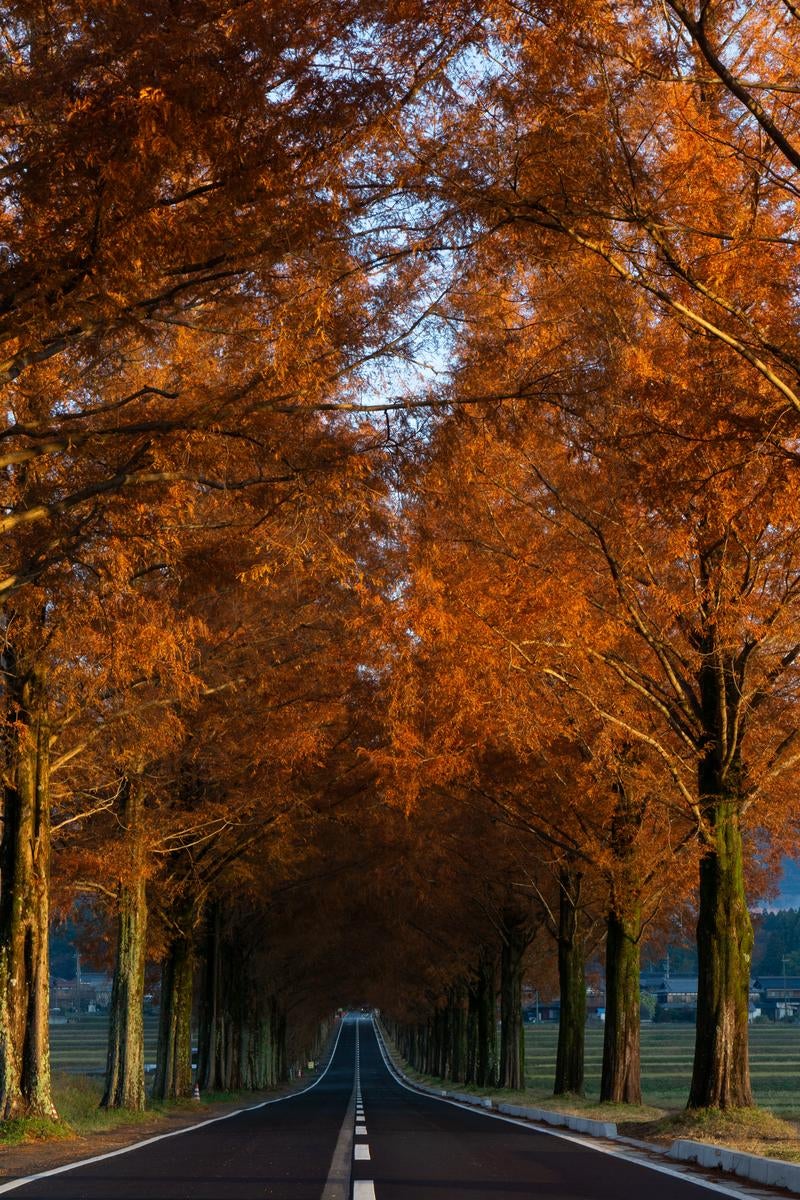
[[772, 1128]]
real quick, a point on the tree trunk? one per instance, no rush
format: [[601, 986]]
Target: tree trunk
[[721, 1073], [458, 1034], [433, 1045], [125, 1066], [25, 1088], [471, 1064], [621, 1076], [421, 1048], [440, 1043], [281, 1060], [512, 1035], [174, 1062], [572, 987], [486, 1067], [266, 1049], [210, 1035], [272, 1016], [620, 1081]]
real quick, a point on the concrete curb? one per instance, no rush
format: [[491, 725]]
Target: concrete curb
[[772, 1172], [546, 1116]]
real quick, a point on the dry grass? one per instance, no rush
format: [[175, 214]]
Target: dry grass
[[752, 1130]]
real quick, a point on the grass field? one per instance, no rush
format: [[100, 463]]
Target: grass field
[[80, 1047], [667, 1064]]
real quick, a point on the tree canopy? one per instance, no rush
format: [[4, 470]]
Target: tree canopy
[[400, 555]]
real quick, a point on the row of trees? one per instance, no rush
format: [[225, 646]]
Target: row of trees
[[187, 522], [603, 536], [528, 662]]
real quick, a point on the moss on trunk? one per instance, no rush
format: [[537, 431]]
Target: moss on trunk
[[620, 1081], [572, 987], [458, 1033], [124, 1086], [721, 1071], [174, 1061], [516, 936], [25, 1088]]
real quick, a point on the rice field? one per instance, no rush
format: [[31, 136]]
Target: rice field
[[667, 1063], [80, 1046]]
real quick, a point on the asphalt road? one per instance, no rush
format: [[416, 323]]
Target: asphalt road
[[404, 1146], [425, 1149], [283, 1150]]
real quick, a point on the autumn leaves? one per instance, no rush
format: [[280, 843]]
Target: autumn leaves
[[188, 545], [530, 646], [604, 547]]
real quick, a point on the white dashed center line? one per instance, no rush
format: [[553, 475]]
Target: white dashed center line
[[363, 1189]]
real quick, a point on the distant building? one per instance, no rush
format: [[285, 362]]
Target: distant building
[[546, 1010], [676, 997], [90, 993], [779, 995], [768, 995], [674, 994], [102, 987], [550, 1010], [678, 989]]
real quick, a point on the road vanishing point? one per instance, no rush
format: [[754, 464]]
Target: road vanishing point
[[360, 1133]]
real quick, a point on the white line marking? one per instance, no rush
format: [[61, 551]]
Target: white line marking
[[337, 1185], [361, 1130], [84, 1162], [566, 1137], [361, 1153], [363, 1189]]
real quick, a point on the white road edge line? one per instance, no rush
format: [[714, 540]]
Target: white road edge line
[[566, 1137], [363, 1189], [161, 1137], [361, 1154]]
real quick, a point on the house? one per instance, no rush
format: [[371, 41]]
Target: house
[[678, 989], [550, 1010], [91, 993], [779, 995]]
